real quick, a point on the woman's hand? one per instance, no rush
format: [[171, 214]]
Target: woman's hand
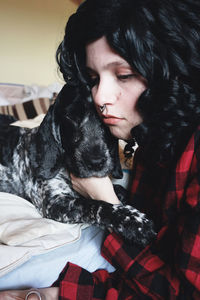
[[46, 294], [95, 188]]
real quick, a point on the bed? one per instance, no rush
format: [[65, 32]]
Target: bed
[[35, 249]]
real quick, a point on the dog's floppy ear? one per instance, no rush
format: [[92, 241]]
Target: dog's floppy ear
[[6, 119], [9, 137], [45, 151], [117, 171]]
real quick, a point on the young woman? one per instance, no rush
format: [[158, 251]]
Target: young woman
[[141, 61]]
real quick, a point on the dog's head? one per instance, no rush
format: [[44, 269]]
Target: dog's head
[[73, 136], [90, 149]]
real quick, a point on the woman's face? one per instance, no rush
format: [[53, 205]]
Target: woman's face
[[116, 85]]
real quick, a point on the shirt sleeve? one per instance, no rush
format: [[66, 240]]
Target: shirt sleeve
[[77, 283]]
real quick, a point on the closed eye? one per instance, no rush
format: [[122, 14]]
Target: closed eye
[[126, 76]]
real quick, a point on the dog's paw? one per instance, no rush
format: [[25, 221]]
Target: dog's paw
[[133, 225]]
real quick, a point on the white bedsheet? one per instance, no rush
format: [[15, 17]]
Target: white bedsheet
[[34, 250], [24, 233], [42, 270]]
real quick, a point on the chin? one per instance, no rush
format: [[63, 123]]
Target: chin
[[119, 133]]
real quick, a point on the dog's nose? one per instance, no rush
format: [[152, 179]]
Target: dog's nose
[[94, 161]]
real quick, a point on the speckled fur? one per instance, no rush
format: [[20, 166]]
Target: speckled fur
[[35, 164]]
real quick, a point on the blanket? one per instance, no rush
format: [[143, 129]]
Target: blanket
[[24, 233]]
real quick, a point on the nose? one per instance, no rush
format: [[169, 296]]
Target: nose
[[94, 158], [106, 92]]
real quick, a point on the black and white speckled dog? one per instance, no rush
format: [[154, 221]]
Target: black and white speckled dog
[[35, 164]]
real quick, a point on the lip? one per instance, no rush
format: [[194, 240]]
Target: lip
[[111, 120]]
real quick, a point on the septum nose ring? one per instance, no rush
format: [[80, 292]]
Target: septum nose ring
[[102, 108]]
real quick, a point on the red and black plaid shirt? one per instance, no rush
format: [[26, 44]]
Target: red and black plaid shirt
[[168, 268]]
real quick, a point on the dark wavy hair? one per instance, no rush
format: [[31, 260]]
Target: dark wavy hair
[[160, 39]]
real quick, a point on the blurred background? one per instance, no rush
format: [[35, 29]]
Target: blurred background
[[30, 32]]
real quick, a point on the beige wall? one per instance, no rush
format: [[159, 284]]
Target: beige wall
[[30, 31]]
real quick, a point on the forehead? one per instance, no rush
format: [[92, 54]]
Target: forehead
[[100, 54]]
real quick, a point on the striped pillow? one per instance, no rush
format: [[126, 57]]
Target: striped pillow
[[27, 110]]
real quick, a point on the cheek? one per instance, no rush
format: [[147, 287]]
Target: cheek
[[135, 93], [140, 88]]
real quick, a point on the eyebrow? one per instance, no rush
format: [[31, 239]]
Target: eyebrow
[[118, 63], [112, 64]]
